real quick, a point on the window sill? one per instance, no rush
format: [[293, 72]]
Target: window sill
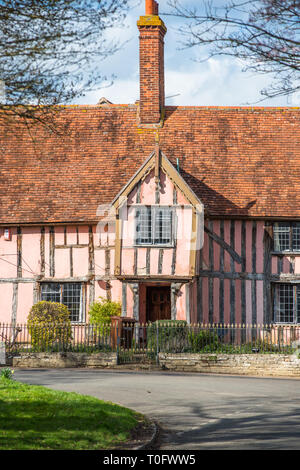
[[153, 246], [285, 253]]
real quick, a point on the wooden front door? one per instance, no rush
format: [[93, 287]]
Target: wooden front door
[[158, 303]]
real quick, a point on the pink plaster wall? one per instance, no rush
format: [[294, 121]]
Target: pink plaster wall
[[205, 253], [83, 235], [129, 302], [100, 290], [127, 261], [260, 302], [248, 247], [216, 246], [148, 189], [248, 302], [238, 244], [47, 257], [59, 235], [227, 258], [25, 301], [154, 260], [181, 304], [31, 253], [205, 301], [99, 257], [80, 262], [142, 261], [166, 192], [71, 235], [6, 295], [116, 290], [8, 255], [259, 247], [62, 262], [238, 306], [297, 264], [226, 301]]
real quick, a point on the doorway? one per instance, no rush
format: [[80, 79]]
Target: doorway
[[158, 303]]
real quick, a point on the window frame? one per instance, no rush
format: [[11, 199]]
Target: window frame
[[295, 302], [291, 226], [62, 284], [153, 209]]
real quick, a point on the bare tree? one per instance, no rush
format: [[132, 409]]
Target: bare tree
[[265, 34], [49, 50]]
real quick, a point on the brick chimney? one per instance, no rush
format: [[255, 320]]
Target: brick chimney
[[152, 75]]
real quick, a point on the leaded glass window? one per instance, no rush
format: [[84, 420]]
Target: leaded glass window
[[287, 236], [69, 294], [154, 225], [287, 303]]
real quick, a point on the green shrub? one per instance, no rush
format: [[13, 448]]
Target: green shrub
[[172, 335], [101, 312], [203, 341], [49, 326]]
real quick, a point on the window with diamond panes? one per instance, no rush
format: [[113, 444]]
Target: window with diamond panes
[[69, 294], [154, 225], [163, 226], [143, 226], [287, 303], [287, 236]]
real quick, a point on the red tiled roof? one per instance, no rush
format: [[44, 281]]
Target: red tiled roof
[[239, 161]]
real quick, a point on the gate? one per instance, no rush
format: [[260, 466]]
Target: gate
[[134, 345]]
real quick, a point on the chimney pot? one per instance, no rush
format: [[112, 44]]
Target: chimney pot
[[151, 7]]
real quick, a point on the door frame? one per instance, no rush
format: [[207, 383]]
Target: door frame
[[157, 286]]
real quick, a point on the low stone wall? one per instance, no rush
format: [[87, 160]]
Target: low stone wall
[[278, 365], [61, 360]]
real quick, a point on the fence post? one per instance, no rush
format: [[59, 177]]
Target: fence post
[[157, 344], [118, 343]]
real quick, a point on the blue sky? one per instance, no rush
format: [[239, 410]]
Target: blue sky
[[216, 82]]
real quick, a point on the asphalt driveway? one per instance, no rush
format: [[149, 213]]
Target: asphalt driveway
[[195, 411]]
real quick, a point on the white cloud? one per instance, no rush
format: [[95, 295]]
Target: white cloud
[[217, 82]]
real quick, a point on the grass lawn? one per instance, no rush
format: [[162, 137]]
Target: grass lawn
[[35, 418]]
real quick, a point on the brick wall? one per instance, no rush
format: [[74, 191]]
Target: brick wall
[[152, 77]]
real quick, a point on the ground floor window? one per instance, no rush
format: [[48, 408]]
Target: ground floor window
[[67, 293], [287, 303]]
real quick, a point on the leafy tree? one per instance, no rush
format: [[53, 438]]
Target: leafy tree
[[265, 34], [49, 48]]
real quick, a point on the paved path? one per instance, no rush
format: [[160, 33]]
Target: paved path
[[196, 411]]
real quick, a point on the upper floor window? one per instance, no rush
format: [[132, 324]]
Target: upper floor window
[[154, 225], [287, 303], [287, 236], [67, 293]]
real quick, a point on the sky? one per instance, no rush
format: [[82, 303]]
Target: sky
[[188, 82]]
